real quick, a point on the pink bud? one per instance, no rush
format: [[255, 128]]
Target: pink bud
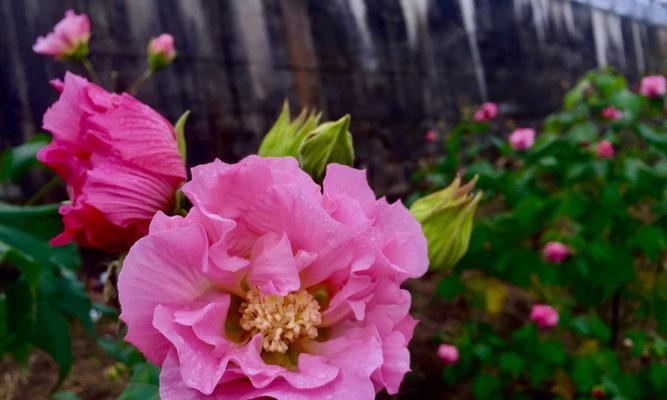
[[69, 38], [431, 136], [522, 138], [544, 316], [486, 112], [448, 354], [555, 252], [611, 114], [161, 51], [653, 86], [605, 149]]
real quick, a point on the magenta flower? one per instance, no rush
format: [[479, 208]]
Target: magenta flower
[[611, 114], [604, 149], [69, 38], [556, 252], [486, 112], [431, 136], [653, 86], [120, 162], [522, 138], [272, 286], [161, 51], [448, 354], [544, 316]]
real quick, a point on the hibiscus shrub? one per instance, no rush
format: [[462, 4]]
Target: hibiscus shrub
[[575, 218]]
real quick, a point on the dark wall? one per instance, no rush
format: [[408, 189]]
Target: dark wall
[[397, 66]]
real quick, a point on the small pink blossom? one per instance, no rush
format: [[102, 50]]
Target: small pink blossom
[[69, 38], [161, 51], [611, 113], [653, 86], [604, 149], [272, 286], [555, 252], [544, 316], [431, 136], [486, 112], [522, 138], [448, 354], [119, 159]]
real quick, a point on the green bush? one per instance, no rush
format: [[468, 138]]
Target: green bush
[[610, 293]]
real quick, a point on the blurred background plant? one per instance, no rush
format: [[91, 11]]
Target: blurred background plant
[[576, 221]]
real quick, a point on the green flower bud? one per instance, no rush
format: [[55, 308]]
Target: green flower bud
[[285, 137], [330, 142], [446, 218]]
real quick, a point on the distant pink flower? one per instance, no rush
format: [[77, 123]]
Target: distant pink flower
[[119, 159], [161, 51], [522, 138], [272, 286], [653, 86], [611, 113], [431, 136], [486, 112], [544, 316], [448, 354], [604, 149], [69, 38], [555, 252]]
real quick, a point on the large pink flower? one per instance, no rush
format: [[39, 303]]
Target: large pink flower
[[119, 159], [272, 286], [69, 37]]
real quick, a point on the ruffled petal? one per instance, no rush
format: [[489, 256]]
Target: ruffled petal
[[162, 268]]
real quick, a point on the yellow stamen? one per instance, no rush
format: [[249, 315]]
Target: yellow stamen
[[280, 320]]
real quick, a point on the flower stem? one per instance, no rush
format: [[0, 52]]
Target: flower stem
[[132, 89], [91, 71], [43, 191]]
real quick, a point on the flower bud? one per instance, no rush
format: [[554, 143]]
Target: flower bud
[[653, 86], [446, 218], [68, 40], [604, 149], [555, 252], [448, 354], [161, 52], [331, 142], [431, 136], [611, 114], [286, 136], [544, 316], [486, 112], [522, 139]]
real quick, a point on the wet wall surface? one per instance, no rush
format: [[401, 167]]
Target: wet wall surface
[[397, 66]]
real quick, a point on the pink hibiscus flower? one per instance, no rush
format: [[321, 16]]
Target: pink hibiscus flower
[[273, 286], [119, 159]]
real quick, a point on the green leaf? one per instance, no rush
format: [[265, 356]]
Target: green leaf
[[27, 230], [180, 135], [487, 387], [583, 132], [143, 384], [17, 161], [52, 335], [512, 363], [330, 142]]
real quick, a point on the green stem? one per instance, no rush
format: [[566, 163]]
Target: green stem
[[91, 71], [43, 191], [132, 89]]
